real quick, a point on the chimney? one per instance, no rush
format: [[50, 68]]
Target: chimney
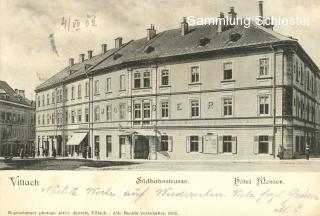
[[22, 93], [184, 26], [221, 23], [118, 42], [151, 32], [17, 91], [81, 58], [104, 48], [90, 54], [261, 10], [232, 14], [71, 62]]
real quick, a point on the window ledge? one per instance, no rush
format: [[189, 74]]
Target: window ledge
[[198, 83], [164, 86], [109, 92], [97, 94], [142, 88], [227, 81], [122, 90], [264, 77]]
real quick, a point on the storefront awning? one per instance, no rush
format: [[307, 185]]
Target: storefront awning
[[76, 138]]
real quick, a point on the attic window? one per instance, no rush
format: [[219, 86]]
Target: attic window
[[148, 49], [86, 66], [235, 36], [203, 41], [116, 56], [72, 71]]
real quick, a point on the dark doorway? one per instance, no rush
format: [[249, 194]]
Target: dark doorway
[[141, 148]]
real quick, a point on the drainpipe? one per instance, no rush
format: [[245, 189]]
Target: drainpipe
[[156, 119], [274, 102]]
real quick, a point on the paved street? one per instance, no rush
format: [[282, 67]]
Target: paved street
[[300, 165]]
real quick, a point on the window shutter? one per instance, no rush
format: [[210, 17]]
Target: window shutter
[[256, 145], [234, 145], [170, 141], [220, 141], [270, 146], [188, 144], [200, 149]]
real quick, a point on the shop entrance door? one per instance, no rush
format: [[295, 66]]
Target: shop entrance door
[[141, 148]]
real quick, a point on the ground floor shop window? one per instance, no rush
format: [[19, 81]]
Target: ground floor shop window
[[227, 144], [164, 143], [109, 145], [263, 144], [96, 145], [194, 143]]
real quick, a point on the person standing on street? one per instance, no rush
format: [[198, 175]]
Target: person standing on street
[[307, 152]]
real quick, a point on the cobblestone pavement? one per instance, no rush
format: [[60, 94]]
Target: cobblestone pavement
[[299, 165]]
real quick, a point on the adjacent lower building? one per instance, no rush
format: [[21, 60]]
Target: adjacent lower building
[[196, 92], [17, 122]]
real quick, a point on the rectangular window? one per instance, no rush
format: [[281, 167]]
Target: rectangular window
[[79, 91], [165, 77], [72, 93], [53, 117], [48, 119], [108, 84], [227, 144], [86, 114], [164, 109], [97, 114], [42, 100], [108, 113], [195, 108], [96, 87], [146, 110], [195, 74], [48, 99], [263, 144], [137, 80], [43, 120], [87, 89], [66, 117], [108, 145], [137, 110], [122, 82], [53, 97], [227, 71], [73, 116], [39, 101], [194, 143], [164, 143], [79, 115], [264, 103], [122, 111], [66, 94], [227, 106], [264, 67], [146, 79]]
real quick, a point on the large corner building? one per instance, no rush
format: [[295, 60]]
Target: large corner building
[[17, 122], [196, 92]]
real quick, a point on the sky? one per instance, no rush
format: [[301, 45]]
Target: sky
[[36, 43]]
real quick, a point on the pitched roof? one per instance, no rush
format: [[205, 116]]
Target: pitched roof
[[7, 93], [172, 43]]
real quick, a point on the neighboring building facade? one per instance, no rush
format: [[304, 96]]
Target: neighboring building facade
[[17, 122], [201, 92]]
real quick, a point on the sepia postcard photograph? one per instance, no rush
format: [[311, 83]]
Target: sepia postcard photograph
[[159, 107]]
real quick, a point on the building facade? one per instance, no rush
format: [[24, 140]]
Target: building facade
[[17, 122], [197, 92]]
